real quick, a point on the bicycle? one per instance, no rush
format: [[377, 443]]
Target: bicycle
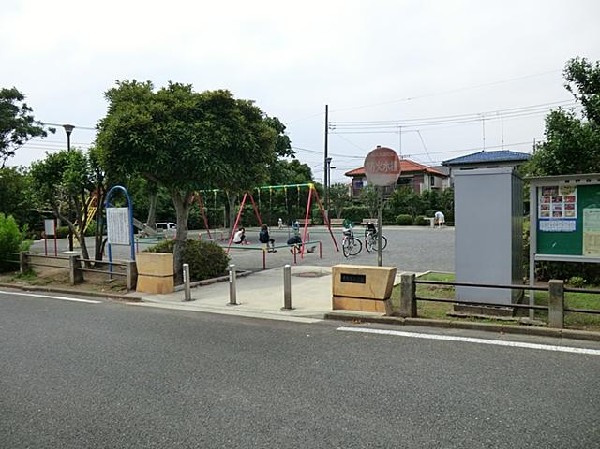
[[372, 242], [351, 245]]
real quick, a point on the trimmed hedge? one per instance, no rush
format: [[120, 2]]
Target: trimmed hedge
[[404, 219], [206, 260]]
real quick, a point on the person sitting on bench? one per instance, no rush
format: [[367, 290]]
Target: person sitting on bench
[[264, 237]]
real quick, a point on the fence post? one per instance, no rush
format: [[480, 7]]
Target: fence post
[[23, 256], [556, 302], [408, 302], [75, 271], [287, 288], [132, 274]]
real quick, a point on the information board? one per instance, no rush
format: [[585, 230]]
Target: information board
[[568, 220], [117, 223]]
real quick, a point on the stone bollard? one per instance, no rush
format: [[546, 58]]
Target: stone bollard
[[75, 272], [408, 303], [556, 303]]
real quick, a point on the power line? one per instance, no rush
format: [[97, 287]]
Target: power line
[[457, 118], [478, 86]]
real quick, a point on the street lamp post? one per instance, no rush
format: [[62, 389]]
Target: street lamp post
[[69, 128], [327, 184]]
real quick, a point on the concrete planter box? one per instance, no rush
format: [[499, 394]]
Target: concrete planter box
[[362, 288], [155, 273]]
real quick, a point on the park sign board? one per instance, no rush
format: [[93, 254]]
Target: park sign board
[[382, 167], [565, 213]]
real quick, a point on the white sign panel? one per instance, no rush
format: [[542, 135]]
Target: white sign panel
[[49, 227], [117, 223]]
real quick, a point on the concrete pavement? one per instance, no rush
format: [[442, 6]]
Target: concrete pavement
[[259, 295]]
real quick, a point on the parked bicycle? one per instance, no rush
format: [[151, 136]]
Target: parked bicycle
[[351, 245], [372, 240]]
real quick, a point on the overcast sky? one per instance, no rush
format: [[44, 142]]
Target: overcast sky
[[433, 80]]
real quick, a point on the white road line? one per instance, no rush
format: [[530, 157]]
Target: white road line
[[64, 298], [515, 344]]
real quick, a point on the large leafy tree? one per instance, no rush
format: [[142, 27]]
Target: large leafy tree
[[17, 124], [64, 182], [573, 139], [185, 142], [285, 171]]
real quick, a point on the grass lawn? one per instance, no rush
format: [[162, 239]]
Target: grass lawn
[[437, 310]]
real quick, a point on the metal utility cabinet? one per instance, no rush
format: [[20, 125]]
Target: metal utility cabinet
[[489, 226]]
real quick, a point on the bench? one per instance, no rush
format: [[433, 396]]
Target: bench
[[369, 220], [304, 221], [336, 221]]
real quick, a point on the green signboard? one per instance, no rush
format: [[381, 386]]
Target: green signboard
[[568, 219]]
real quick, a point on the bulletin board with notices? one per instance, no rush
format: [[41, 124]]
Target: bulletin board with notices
[[567, 215]]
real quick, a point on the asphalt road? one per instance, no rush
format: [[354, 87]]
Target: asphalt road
[[410, 248], [98, 375]]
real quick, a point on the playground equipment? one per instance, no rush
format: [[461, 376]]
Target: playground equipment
[[312, 193]]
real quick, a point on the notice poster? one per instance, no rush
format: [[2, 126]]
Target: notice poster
[[117, 224], [557, 208], [591, 232]]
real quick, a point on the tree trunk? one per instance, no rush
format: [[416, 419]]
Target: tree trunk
[[181, 201], [152, 203], [100, 225]]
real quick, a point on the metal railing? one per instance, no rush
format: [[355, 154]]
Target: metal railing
[[77, 266], [556, 297]]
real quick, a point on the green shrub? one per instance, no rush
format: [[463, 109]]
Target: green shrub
[[11, 242], [421, 221], [576, 281], [62, 232], [404, 219], [356, 213], [207, 260]]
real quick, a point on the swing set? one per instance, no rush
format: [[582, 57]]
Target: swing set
[[312, 193]]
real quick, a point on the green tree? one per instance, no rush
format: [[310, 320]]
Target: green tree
[[185, 142], [17, 124], [285, 171], [64, 181], [369, 197], [15, 196], [572, 140], [339, 196]]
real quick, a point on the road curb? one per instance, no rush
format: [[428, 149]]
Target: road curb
[[69, 291], [573, 334]]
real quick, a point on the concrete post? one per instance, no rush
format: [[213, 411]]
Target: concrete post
[[24, 262], [287, 287], [408, 303], [186, 281], [232, 292], [132, 274], [556, 302], [75, 272]]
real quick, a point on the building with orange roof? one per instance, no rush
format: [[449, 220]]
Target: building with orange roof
[[420, 178]]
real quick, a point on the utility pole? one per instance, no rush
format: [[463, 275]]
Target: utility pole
[[325, 163]]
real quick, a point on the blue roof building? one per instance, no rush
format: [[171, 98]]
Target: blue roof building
[[488, 159]]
